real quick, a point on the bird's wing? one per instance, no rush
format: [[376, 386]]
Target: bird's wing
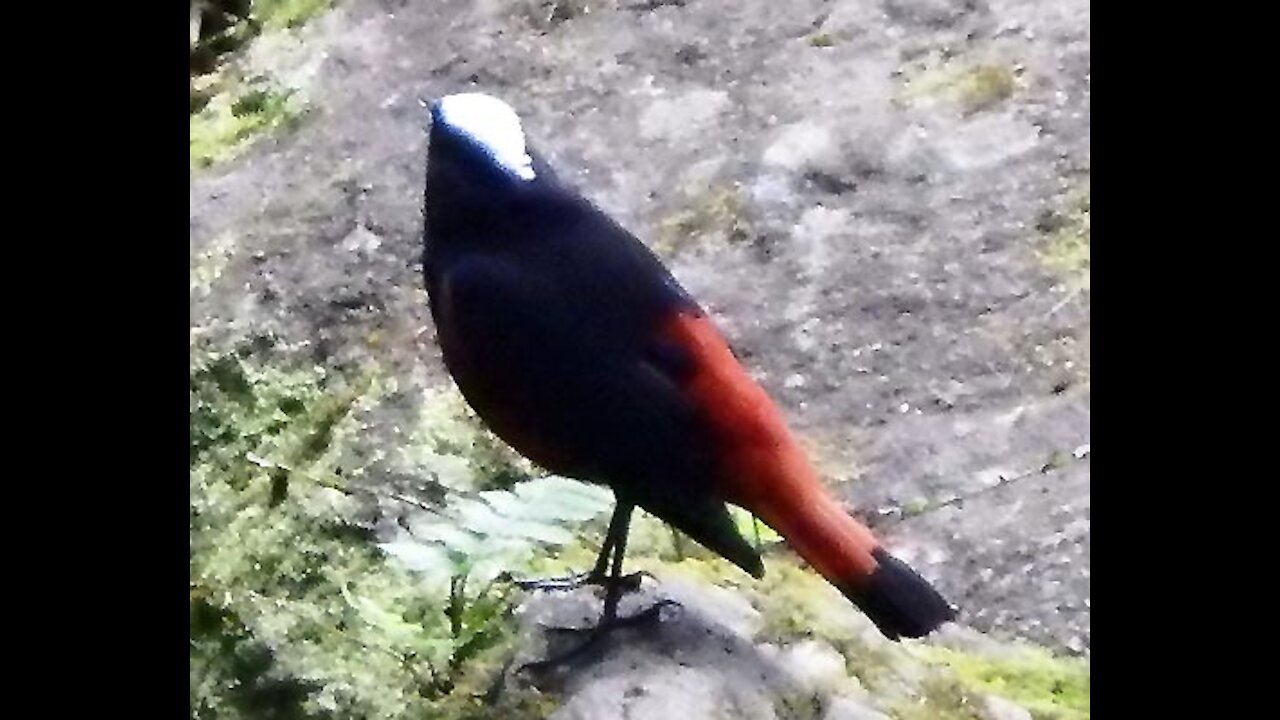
[[550, 373]]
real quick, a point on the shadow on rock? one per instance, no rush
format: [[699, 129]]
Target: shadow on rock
[[695, 656]]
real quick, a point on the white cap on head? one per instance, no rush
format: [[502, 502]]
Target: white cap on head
[[492, 124]]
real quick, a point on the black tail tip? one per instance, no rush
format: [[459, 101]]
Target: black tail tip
[[899, 601]]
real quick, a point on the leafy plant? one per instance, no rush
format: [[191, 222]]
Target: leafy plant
[[296, 610]]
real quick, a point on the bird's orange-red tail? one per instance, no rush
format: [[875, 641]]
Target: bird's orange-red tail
[[764, 469], [842, 550]]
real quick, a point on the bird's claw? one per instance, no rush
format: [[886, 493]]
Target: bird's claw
[[568, 582], [597, 633], [626, 583], [649, 614]]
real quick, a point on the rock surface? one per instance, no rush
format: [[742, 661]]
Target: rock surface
[[865, 193], [792, 648]]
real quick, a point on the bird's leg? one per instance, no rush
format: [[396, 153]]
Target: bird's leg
[[615, 585], [613, 588], [618, 525], [618, 584]]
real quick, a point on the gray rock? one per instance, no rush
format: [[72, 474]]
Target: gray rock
[[689, 663], [997, 708], [842, 708], [931, 13]]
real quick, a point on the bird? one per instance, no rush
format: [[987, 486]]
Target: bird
[[576, 345]]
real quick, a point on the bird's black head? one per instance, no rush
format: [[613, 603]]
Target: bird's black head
[[477, 146], [483, 182]]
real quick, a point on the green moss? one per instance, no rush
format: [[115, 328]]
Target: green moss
[[796, 604], [480, 691], [1051, 688], [791, 602], [296, 612], [713, 216], [232, 674], [451, 444], [280, 14], [939, 698], [956, 683], [279, 573], [231, 118]]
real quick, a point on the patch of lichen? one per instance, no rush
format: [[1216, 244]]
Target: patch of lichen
[[1051, 688], [1064, 248], [970, 86], [822, 40], [715, 216]]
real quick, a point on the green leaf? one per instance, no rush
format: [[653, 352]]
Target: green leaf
[[431, 560]]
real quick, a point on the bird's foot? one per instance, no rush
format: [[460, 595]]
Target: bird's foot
[[595, 635], [609, 624], [567, 582]]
